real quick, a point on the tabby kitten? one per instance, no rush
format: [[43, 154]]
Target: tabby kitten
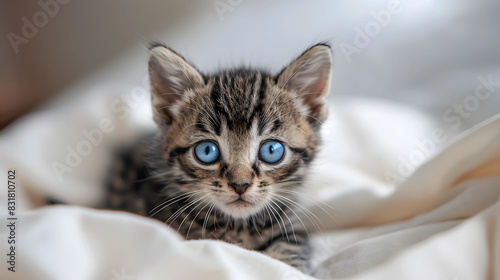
[[230, 151]]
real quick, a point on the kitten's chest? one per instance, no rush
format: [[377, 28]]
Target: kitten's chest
[[206, 225], [248, 238]]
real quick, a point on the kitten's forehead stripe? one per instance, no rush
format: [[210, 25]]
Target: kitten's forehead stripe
[[237, 99], [260, 90], [215, 96]]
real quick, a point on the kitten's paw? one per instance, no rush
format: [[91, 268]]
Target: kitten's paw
[[292, 254]]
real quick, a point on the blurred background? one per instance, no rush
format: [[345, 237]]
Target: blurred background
[[424, 53]]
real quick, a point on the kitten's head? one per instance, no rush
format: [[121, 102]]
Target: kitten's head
[[239, 138]]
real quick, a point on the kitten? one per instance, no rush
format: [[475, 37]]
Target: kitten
[[230, 152]]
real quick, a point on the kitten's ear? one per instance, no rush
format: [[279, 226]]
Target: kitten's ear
[[172, 81], [310, 76]]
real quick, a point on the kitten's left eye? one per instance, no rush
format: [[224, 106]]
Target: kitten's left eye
[[207, 152], [271, 151]]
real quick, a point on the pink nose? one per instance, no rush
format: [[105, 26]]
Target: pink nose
[[240, 187]]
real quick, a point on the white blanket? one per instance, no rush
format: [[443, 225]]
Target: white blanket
[[441, 222]]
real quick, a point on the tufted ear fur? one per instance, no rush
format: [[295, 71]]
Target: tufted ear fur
[[173, 80], [310, 76]]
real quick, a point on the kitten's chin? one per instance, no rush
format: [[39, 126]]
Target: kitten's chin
[[240, 209]]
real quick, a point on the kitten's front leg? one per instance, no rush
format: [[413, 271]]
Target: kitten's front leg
[[297, 254]]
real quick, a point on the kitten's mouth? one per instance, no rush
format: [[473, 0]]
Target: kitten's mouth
[[240, 208], [240, 202]]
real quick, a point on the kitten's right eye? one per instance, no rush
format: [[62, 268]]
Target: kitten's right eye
[[207, 152]]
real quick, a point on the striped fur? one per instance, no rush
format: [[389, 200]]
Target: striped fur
[[239, 110]]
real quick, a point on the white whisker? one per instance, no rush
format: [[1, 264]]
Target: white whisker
[[309, 215], [282, 221], [290, 221], [169, 202], [315, 202], [290, 208]]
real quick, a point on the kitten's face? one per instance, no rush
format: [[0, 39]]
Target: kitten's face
[[242, 139]]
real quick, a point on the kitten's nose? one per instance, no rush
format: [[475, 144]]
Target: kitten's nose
[[240, 187], [239, 177]]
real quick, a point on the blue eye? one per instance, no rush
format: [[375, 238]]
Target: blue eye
[[271, 151], [207, 152]]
